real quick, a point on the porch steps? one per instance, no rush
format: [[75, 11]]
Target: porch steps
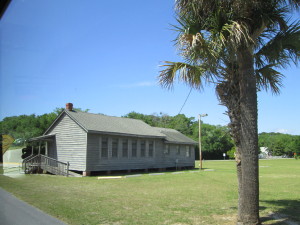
[[72, 174], [39, 163]]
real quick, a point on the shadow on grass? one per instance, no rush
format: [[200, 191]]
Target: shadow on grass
[[287, 212]]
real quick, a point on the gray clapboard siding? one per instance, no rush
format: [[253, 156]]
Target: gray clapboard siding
[[172, 159], [70, 143], [95, 162]]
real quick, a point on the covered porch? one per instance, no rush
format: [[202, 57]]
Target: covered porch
[[45, 142], [44, 158]]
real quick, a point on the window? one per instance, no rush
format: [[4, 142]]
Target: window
[[167, 149], [182, 148], [151, 147], [143, 148], [104, 147], [177, 150], [115, 144], [188, 151], [134, 148], [125, 148]]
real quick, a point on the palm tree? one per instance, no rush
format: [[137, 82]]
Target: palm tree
[[238, 46]]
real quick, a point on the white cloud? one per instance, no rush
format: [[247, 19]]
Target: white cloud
[[283, 131]]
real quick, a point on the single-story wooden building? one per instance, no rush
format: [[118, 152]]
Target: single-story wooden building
[[95, 142]]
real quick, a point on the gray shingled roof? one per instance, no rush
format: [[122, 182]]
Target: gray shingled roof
[[97, 123], [117, 125], [174, 136]]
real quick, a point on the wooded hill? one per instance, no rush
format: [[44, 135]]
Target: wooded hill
[[215, 138]]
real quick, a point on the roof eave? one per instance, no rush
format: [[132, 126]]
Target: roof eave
[[42, 138], [124, 134], [180, 142], [52, 124]]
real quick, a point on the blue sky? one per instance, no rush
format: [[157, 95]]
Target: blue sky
[[105, 56]]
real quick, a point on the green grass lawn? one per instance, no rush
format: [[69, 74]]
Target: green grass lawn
[[206, 197]]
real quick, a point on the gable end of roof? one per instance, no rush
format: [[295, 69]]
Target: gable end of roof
[[60, 116]]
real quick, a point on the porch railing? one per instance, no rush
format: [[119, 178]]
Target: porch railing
[[39, 163], [27, 163]]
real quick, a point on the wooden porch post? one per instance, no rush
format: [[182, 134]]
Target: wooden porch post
[[39, 147], [46, 150]]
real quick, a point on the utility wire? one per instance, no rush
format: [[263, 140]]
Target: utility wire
[[185, 100]]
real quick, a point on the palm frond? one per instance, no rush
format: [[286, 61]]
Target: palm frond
[[293, 4], [238, 33], [268, 78], [198, 44], [200, 49], [282, 49], [210, 33], [192, 75], [201, 8]]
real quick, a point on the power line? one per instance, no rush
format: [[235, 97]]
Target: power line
[[185, 100]]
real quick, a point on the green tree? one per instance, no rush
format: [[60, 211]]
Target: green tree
[[236, 45], [231, 153], [280, 144], [215, 141], [139, 116], [24, 127], [296, 144], [179, 122], [182, 123]]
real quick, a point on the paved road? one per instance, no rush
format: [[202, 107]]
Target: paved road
[[16, 212]]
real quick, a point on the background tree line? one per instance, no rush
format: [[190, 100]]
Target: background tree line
[[280, 144], [215, 138]]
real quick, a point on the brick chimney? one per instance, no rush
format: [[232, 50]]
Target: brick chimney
[[69, 106]]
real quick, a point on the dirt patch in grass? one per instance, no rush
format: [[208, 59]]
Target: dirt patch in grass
[[214, 220], [225, 219]]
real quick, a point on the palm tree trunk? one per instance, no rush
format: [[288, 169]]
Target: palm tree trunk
[[229, 96], [240, 189], [249, 186]]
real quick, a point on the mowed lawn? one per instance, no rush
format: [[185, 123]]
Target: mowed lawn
[[206, 197]]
